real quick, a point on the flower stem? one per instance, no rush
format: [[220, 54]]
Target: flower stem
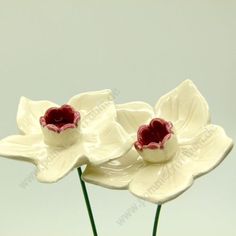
[[154, 233], [86, 198]]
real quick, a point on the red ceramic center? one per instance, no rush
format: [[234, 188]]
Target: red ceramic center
[[60, 119], [154, 135]]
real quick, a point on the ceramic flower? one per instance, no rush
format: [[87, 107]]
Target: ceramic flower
[[174, 143], [59, 138]]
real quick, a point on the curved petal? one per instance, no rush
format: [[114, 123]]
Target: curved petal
[[134, 114], [98, 117], [114, 174], [22, 147], [85, 102], [164, 182], [205, 152], [55, 162], [107, 142], [29, 113], [159, 183], [96, 108], [186, 108]]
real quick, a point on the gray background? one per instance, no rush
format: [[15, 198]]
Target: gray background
[[55, 49]]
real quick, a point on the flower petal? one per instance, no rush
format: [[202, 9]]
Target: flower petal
[[96, 108], [164, 182], [108, 141], [115, 174], [85, 102], [159, 183], [55, 162], [205, 152], [98, 117], [29, 113], [186, 108], [22, 147], [134, 114]]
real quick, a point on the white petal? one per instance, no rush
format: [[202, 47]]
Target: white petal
[[186, 108], [96, 108], [159, 183], [98, 117], [134, 114], [164, 182], [22, 147], [55, 163], [29, 113], [206, 151], [106, 142], [115, 174], [85, 102]]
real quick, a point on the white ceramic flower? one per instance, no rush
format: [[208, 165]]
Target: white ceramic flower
[[58, 139], [174, 143]]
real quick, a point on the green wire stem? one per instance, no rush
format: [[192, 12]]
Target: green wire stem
[[154, 233], [86, 198]]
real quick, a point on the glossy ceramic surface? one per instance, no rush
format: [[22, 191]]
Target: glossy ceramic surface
[[101, 138], [201, 147]]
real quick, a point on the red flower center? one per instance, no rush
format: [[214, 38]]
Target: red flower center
[[59, 119], [154, 135]]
